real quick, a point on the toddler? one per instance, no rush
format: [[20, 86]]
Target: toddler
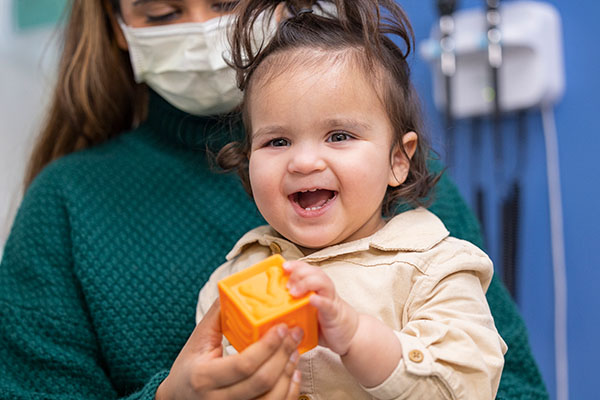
[[334, 143]]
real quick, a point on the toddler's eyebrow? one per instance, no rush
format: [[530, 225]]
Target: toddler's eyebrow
[[268, 130], [347, 123], [332, 123]]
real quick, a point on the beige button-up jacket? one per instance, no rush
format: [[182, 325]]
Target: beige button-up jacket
[[427, 286]]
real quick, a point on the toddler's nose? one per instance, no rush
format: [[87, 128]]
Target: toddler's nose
[[306, 161]]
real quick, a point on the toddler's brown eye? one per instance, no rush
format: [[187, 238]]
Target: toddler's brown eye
[[279, 142], [338, 137]]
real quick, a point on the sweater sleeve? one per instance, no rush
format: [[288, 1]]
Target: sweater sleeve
[[521, 379], [48, 347]]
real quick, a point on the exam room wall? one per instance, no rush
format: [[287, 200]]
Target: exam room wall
[[28, 56], [578, 129]]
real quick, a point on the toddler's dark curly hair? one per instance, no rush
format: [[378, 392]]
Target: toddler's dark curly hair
[[351, 31]]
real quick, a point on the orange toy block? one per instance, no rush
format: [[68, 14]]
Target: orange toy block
[[256, 298]]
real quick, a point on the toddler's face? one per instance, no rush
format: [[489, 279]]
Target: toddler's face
[[321, 158]]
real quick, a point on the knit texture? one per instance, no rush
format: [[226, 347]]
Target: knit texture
[[101, 272]]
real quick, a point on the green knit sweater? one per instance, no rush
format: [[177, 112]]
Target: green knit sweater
[[100, 275]]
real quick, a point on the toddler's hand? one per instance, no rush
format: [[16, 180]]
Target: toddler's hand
[[338, 321]]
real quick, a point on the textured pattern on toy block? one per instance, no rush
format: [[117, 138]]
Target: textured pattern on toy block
[[255, 299]]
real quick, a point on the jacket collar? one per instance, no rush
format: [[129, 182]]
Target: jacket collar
[[415, 230]]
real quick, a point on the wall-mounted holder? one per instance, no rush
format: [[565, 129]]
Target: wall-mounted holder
[[531, 76], [532, 72]]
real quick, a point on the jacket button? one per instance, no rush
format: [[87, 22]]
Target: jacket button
[[275, 248], [303, 397], [415, 356]]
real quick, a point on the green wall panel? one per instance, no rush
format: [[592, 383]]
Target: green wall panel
[[30, 14]]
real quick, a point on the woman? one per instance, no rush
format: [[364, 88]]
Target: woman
[[121, 226]]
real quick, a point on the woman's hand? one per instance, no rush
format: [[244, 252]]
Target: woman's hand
[[266, 369], [338, 321]]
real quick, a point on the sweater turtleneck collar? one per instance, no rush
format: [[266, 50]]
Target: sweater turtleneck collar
[[180, 128]]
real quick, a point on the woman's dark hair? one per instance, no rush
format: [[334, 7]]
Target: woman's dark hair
[[355, 31]]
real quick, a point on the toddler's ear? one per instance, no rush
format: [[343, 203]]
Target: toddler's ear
[[399, 163]]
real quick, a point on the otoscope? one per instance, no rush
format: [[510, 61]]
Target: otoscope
[[510, 203], [448, 66], [494, 47]]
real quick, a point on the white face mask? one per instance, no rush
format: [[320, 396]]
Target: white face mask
[[184, 64]]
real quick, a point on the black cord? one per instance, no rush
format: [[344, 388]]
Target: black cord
[[511, 212], [492, 16], [476, 179], [448, 65]]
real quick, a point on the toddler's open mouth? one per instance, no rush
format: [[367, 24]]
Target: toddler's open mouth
[[313, 199]]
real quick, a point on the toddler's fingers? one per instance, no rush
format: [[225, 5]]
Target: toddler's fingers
[[325, 305], [294, 266], [299, 270], [316, 282]]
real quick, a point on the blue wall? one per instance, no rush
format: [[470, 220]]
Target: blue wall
[[578, 128]]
